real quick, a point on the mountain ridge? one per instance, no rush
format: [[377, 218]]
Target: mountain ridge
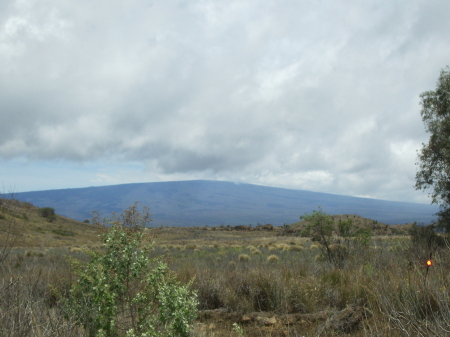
[[212, 203]]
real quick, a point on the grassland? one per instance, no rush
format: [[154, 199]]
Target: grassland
[[250, 281], [34, 231]]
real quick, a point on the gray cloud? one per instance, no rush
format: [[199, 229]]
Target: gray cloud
[[320, 95]]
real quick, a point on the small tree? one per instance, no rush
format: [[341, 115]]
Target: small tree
[[345, 228], [48, 213], [122, 291], [363, 237], [434, 157], [320, 228]]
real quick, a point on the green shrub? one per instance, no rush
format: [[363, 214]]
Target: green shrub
[[48, 213], [363, 237], [320, 227], [122, 289]]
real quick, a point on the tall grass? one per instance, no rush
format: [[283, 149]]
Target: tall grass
[[400, 295], [388, 280], [30, 290]]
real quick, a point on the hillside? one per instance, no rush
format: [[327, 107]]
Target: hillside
[[376, 227], [22, 225], [215, 203]]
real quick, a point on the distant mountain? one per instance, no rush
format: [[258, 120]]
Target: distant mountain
[[213, 203]]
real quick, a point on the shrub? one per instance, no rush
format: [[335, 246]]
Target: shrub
[[273, 258], [123, 289], [320, 227], [363, 237], [48, 213]]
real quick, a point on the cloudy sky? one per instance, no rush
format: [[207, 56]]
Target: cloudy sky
[[315, 95]]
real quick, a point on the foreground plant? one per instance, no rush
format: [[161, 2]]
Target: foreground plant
[[122, 291]]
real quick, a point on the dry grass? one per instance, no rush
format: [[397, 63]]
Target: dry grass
[[273, 259], [243, 258], [296, 289], [381, 290], [36, 231]]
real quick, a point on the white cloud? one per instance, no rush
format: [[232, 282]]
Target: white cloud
[[320, 95]]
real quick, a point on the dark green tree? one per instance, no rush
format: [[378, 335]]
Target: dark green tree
[[320, 228], [48, 213], [434, 158]]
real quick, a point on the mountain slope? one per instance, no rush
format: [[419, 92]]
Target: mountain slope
[[22, 225], [203, 202]]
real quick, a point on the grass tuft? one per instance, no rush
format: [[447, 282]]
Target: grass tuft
[[272, 258], [243, 258]]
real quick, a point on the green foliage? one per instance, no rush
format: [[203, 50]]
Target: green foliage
[[48, 213], [345, 228], [320, 228], [122, 289], [443, 222], [363, 237], [238, 330], [434, 157], [320, 225]]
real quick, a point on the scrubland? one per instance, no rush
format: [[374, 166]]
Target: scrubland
[[249, 283]]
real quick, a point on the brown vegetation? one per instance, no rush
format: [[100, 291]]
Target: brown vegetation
[[34, 230], [376, 227], [383, 289]]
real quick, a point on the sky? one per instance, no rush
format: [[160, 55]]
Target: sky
[[313, 95]]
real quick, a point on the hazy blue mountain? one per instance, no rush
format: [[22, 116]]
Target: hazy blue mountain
[[212, 203]]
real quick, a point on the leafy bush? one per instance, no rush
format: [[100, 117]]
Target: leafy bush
[[48, 213], [122, 291], [363, 237], [320, 228]]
